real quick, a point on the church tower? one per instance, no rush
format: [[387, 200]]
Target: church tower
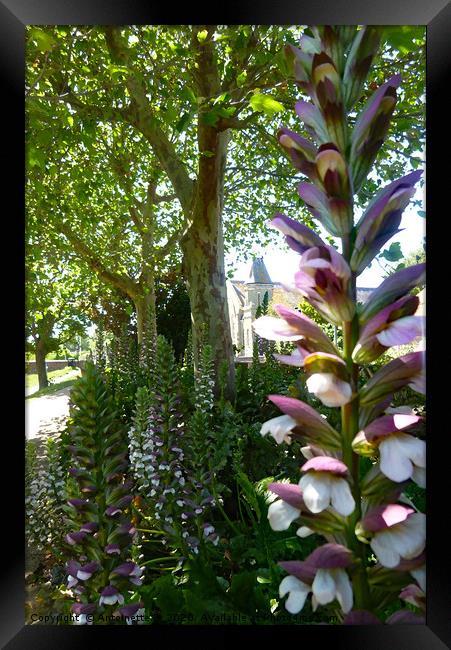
[[257, 284]]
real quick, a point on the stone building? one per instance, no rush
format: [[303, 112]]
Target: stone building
[[245, 296]]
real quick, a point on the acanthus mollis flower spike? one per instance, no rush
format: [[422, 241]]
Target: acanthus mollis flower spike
[[297, 236], [293, 326], [381, 220], [402, 456], [358, 62], [307, 422], [396, 532], [301, 151], [403, 371], [286, 509], [314, 121], [324, 484], [323, 278], [322, 573], [396, 324], [394, 287], [328, 378], [327, 96], [371, 128]]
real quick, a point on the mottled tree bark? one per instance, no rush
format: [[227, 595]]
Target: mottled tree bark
[[203, 254]]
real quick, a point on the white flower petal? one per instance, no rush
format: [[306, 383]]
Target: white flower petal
[[314, 603], [298, 592], [414, 448], [344, 593], [383, 550], [393, 461], [275, 329], [315, 491], [304, 531], [401, 331], [324, 587], [342, 499], [331, 390], [281, 515], [279, 428]]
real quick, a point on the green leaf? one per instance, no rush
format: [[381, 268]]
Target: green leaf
[[70, 120], [183, 122], [241, 79], [44, 41], [202, 36], [265, 104], [394, 253], [403, 38]]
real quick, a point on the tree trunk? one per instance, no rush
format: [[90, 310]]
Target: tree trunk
[[41, 353], [146, 321], [203, 254]]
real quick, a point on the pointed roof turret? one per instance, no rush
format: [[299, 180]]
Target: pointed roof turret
[[258, 273]]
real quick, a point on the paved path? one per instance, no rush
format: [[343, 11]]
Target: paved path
[[46, 416]]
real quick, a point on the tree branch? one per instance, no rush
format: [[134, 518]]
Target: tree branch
[[140, 114], [118, 280]]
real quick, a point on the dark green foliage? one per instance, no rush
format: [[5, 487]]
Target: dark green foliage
[[173, 313]]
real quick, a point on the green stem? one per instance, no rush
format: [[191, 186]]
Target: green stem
[[349, 428]]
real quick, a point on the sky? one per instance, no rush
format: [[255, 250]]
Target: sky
[[282, 262]]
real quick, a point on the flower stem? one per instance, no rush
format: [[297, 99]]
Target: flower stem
[[349, 428]]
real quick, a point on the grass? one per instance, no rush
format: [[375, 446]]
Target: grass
[[59, 379]]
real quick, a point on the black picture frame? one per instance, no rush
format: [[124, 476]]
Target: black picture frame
[[436, 15]]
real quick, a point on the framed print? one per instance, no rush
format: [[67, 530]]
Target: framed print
[[225, 259]]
